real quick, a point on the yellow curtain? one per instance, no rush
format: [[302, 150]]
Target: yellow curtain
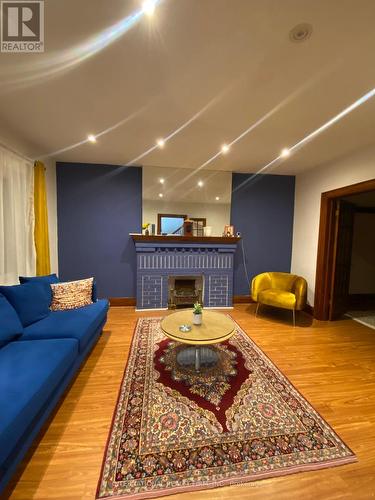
[[41, 237]]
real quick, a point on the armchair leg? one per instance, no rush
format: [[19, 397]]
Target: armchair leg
[[256, 310], [294, 317]]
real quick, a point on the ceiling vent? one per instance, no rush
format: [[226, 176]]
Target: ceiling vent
[[300, 33]]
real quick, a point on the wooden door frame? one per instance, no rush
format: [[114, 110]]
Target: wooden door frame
[[324, 264]]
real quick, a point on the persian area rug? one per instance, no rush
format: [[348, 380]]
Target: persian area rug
[[177, 430]]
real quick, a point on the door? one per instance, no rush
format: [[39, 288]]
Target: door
[[343, 238]]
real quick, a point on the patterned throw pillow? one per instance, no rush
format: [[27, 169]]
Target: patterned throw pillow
[[72, 294]]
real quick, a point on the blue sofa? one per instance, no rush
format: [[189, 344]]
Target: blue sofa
[[40, 353]]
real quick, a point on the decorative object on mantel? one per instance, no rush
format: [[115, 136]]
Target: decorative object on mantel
[[198, 229], [176, 238], [197, 314], [145, 227], [188, 227], [228, 231], [239, 421]]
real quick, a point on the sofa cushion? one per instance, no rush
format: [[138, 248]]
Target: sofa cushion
[[29, 374], [48, 278], [80, 324], [71, 294], [30, 300], [282, 281], [277, 298], [10, 324], [53, 278]]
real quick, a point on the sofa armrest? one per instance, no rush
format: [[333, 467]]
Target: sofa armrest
[[259, 283], [300, 291]]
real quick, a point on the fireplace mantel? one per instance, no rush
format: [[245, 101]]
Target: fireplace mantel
[[157, 238]]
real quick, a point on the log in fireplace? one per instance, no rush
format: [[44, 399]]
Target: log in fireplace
[[184, 291]]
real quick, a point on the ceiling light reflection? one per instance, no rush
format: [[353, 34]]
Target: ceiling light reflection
[[313, 134], [148, 7], [59, 61]]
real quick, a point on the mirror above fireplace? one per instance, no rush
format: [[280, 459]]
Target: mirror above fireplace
[[203, 196]]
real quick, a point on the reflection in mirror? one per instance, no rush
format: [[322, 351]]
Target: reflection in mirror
[[170, 195], [171, 223]]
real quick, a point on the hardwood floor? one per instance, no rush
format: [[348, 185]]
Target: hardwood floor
[[332, 364]]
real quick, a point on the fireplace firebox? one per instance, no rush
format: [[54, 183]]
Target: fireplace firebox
[[184, 291]]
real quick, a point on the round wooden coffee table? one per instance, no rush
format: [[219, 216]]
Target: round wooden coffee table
[[215, 328]]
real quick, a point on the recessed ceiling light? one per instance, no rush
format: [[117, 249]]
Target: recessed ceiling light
[[161, 181], [285, 152], [161, 195], [91, 138], [148, 7], [225, 148], [217, 198], [160, 143], [200, 184], [300, 33]]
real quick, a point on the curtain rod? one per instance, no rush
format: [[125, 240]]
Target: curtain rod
[[14, 151]]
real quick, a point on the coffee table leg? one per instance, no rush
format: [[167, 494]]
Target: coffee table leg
[[197, 358]]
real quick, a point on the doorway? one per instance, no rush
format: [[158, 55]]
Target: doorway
[[338, 222]]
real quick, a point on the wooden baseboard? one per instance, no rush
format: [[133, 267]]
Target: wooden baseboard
[[121, 301], [130, 301], [237, 299], [242, 299]]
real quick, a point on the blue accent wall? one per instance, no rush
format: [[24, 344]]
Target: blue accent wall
[[97, 207], [262, 210]]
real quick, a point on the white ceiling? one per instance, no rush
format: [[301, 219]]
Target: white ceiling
[[231, 60]]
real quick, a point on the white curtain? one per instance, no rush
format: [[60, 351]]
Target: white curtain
[[17, 250]]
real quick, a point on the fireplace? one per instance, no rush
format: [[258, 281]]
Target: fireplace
[[184, 291], [160, 259]]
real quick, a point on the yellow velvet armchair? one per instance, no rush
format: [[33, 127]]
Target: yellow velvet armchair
[[283, 290]]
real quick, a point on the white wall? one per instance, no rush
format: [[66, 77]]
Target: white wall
[[217, 215], [362, 269], [356, 167]]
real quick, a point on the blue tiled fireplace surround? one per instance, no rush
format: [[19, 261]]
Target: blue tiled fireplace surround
[[156, 262]]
